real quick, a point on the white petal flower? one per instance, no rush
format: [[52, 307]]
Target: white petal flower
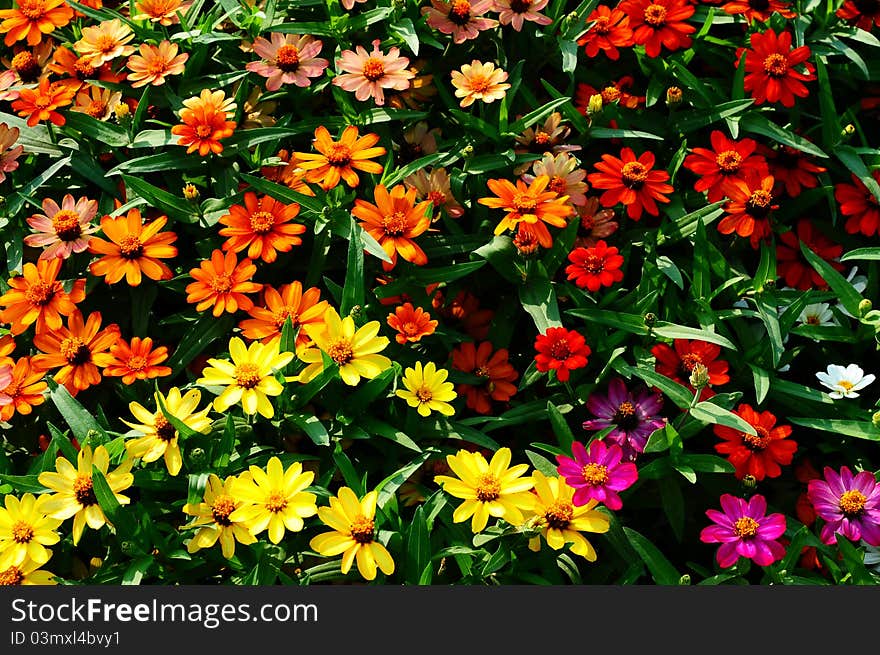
[[844, 381], [817, 314]]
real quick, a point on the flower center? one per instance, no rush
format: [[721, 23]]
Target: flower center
[[75, 351], [460, 12], [520, 6], [852, 503], [846, 385], [634, 175], [287, 58], [557, 185], [396, 224], [262, 222], [339, 155], [83, 68], [482, 372], [625, 416], [424, 394], [602, 25], [374, 69], [340, 351], [542, 138], [813, 319], [66, 225], [131, 247], [728, 161], [595, 474], [525, 202], [559, 514], [593, 264], [559, 349], [11, 577], [479, 84], [281, 315], [222, 283], [758, 204], [776, 65], [40, 293], [688, 361], [96, 109], [22, 532], [164, 430], [756, 442], [438, 198], [25, 64], [362, 529], [221, 509], [276, 502], [746, 527], [655, 16], [83, 491], [610, 94], [106, 43], [247, 375], [204, 131], [136, 363], [32, 9], [488, 488]]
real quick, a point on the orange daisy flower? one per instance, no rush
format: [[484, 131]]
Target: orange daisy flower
[[138, 361], [155, 63], [133, 249], [222, 282], [76, 70], [79, 349], [41, 103], [748, 209], [530, 204], [105, 42], [411, 323], [205, 122], [262, 226], [394, 221], [163, 12], [479, 81], [31, 19], [26, 389], [97, 102], [7, 347], [36, 296], [303, 308], [339, 159]]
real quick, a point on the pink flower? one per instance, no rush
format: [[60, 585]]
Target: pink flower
[[8, 155], [515, 12], [566, 178], [8, 78], [849, 504], [460, 18], [367, 74], [598, 474], [288, 59], [64, 229], [349, 4], [5, 381], [743, 530]]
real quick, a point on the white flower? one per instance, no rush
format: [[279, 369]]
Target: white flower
[[844, 381], [817, 314], [859, 283]]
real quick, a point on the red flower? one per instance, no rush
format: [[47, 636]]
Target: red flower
[[493, 367], [792, 168], [748, 209], [595, 267], [609, 31], [860, 13], [857, 202], [660, 22], [728, 160], [613, 92], [791, 264], [632, 182], [756, 455], [770, 74], [562, 351], [759, 10], [677, 363]]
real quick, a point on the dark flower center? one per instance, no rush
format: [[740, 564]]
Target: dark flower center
[[626, 416], [634, 175], [756, 442], [559, 515]]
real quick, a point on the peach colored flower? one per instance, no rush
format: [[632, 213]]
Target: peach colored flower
[[155, 63], [288, 59], [65, 229], [96, 102], [8, 155], [367, 74], [479, 81], [462, 19], [435, 187], [104, 42], [163, 12], [566, 178]]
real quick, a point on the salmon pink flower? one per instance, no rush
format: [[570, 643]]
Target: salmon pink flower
[[63, 230], [462, 19], [367, 74], [516, 12], [288, 59]]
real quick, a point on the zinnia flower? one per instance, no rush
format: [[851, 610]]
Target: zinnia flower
[[566, 179], [262, 226], [595, 267], [28, 573], [163, 12], [728, 160], [561, 350], [462, 19], [427, 390], [394, 221], [516, 12], [36, 296], [633, 417], [863, 15], [609, 30], [25, 531], [749, 208], [30, 20], [8, 155], [340, 159], [104, 42], [66, 229], [844, 381], [493, 367], [631, 181], [134, 249], [597, 223], [155, 63], [598, 474], [96, 102], [677, 362], [435, 187], [531, 204], [288, 59], [792, 168], [759, 10], [137, 361], [41, 103], [660, 22], [743, 530], [411, 323], [791, 265], [213, 518], [479, 81], [222, 281], [205, 122], [859, 205], [289, 301], [770, 73], [756, 455], [24, 389], [367, 74], [849, 504]]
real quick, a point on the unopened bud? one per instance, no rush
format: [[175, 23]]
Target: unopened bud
[[355, 311], [674, 96], [770, 285], [848, 131], [749, 481], [197, 455], [595, 105], [467, 151], [699, 376], [123, 113], [864, 307], [876, 420], [684, 580], [650, 319], [191, 193]]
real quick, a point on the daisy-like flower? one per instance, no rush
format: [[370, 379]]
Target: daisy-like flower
[[633, 417], [96, 102], [353, 535], [8, 154], [516, 12], [63, 230], [274, 499], [288, 59], [758, 10], [492, 366], [863, 15], [462, 19], [160, 438], [31, 20], [561, 350], [24, 389], [411, 323], [74, 492], [427, 389], [791, 265], [7, 347], [531, 203], [163, 12], [817, 314], [844, 381], [249, 378], [597, 223], [657, 23], [595, 267], [859, 205], [614, 92], [137, 361], [598, 474], [395, 221], [5, 379], [213, 518], [369, 73], [745, 530], [28, 573], [36, 296], [749, 208], [631, 181], [728, 160], [29, 65], [105, 42], [791, 168], [418, 141], [77, 70], [42, 102], [492, 488], [770, 68], [289, 301], [756, 455], [609, 30], [340, 159], [353, 350], [566, 179], [133, 250], [479, 81], [262, 226], [222, 282], [560, 521], [435, 187], [549, 137], [464, 309], [155, 63], [204, 122], [849, 504], [677, 362], [25, 531]]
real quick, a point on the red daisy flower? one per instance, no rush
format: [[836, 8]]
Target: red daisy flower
[[759, 10], [770, 74], [631, 181], [614, 92], [861, 13], [678, 362], [791, 264], [660, 22], [748, 210], [792, 168], [860, 205], [596, 267], [493, 367], [728, 160], [562, 351], [756, 455], [609, 31]]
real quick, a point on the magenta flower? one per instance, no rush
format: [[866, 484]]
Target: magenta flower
[[462, 19], [368, 73], [743, 530], [288, 59], [63, 230], [598, 474], [849, 504], [633, 416]]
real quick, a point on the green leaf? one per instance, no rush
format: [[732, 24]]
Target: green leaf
[[79, 419], [389, 486], [390, 432], [418, 549], [849, 297], [614, 133], [353, 291], [854, 559], [25, 484], [405, 29], [17, 201], [203, 332], [670, 270], [858, 429], [281, 192], [627, 322], [712, 413], [176, 207], [538, 298], [563, 433], [165, 161], [871, 254], [762, 382], [686, 225], [673, 331], [542, 464], [759, 124], [851, 159], [693, 120], [538, 114], [183, 430], [662, 570], [351, 477], [676, 392], [107, 501], [313, 427], [112, 135]]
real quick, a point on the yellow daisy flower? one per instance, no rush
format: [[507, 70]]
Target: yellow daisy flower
[[74, 495], [160, 437], [214, 519], [26, 573], [560, 521], [354, 350], [275, 499], [427, 389], [25, 531], [248, 378], [488, 488], [353, 536]]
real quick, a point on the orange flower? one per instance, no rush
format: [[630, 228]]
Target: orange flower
[[411, 323], [288, 173], [104, 42], [40, 104], [66, 62], [222, 282], [134, 248], [26, 389], [31, 19], [262, 226], [303, 308], [138, 361], [163, 12], [493, 367], [205, 122], [79, 349], [154, 63], [97, 102], [529, 204], [479, 81], [36, 296], [339, 159], [394, 221], [7, 347]]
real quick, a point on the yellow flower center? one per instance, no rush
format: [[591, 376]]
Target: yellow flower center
[[287, 58], [262, 222], [689, 360], [846, 385], [339, 155], [542, 138], [756, 442], [610, 94], [247, 375], [374, 69], [22, 532], [131, 247], [634, 175], [276, 502], [40, 293], [559, 514], [760, 200], [524, 202], [362, 529], [746, 527], [11, 577], [340, 351], [280, 316], [164, 430], [852, 503], [728, 161], [221, 509], [221, 283], [75, 351], [776, 65], [595, 474], [488, 488], [655, 15], [83, 491], [425, 394], [32, 9], [395, 225], [66, 225]]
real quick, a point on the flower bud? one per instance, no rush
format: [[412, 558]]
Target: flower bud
[[848, 131], [876, 420], [674, 96], [749, 482], [123, 113], [864, 307], [699, 376], [467, 151], [190, 192], [650, 319], [197, 455], [595, 105], [684, 580]]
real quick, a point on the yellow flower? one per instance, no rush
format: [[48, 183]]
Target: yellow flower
[[248, 377], [160, 437], [353, 536], [488, 488], [25, 531], [353, 350], [560, 521], [214, 519], [74, 495], [275, 499], [26, 573], [427, 389]]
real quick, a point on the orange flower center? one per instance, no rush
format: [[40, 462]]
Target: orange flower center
[[339, 155], [524, 202], [22, 532], [164, 430], [287, 58], [222, 283], [396, 224], [157, 67], [204, 131], [25, 64], [689, 360], [438, 198], [96, 109], [409, 328], [33, 10], [758, 204], [595, 474], [593, 264], [634, 175], [756, 442], [460, 12], [11, 577], [276, 502], [655, 15], [136, 363], [602, 25], [159, 8], [66, 225], [374, 69], [340, 351], [75, 351], [776, 65], [83, 69], [559, 514], [106, 43], [262, 222], [746, 527], [557, 185], [281, 315], [610, 94], [812, 319], [542, 138], [479, 84], [482, 372], [488, 488], [625, 417], [83, 491], [43, 101], [362, 529], [131, 247], [852, 502], [247, 375], [424, 394], [728, 161], [40, 293], [222, 507]]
